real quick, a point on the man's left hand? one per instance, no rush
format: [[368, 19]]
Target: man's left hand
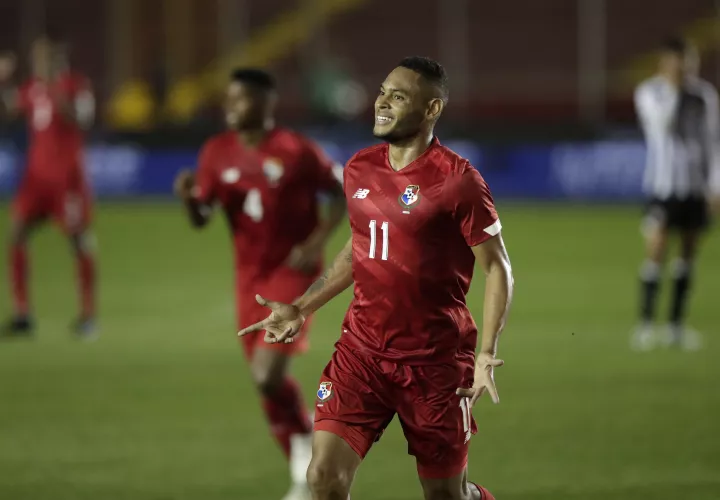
[[484, 379]]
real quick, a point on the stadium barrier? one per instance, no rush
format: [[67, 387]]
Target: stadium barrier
[[595, 171]]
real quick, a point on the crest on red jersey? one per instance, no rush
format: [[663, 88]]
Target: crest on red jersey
[[230, 175], [325, 392], [273, 170], [410, 197]]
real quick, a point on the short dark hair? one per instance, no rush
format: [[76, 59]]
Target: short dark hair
[[675, 44], [256, 77], [430, 70]]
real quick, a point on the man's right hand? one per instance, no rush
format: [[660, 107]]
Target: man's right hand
[[281, 326], [184, 183]]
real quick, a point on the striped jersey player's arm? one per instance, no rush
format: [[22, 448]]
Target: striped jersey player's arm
[[712, 123], [657, 107]]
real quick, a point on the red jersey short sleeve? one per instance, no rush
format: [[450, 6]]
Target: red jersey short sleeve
[[472, 206]]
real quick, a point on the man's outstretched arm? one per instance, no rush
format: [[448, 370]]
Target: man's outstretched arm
[[285, 320], [332, 283]]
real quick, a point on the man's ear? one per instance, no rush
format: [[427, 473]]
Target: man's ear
[[435, 108]]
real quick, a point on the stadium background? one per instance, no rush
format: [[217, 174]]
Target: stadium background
[[161, 407]]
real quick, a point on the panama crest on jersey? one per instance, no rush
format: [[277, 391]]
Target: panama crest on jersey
[[273, 170], [325, 392], [410, 197]]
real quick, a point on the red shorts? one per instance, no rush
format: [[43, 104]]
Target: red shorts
[[359, 396], [71, 208], [285, 285]]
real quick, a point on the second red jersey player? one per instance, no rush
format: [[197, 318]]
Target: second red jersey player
[[421, 217], [58, 105], [268, 181], [269, 194]]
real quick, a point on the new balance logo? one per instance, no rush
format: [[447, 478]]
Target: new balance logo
[[361, 194]]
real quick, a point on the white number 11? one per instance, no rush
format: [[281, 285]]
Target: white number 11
[[373, 239]]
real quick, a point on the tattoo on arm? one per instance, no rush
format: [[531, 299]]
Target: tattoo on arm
[[319, 283], [344, 257]]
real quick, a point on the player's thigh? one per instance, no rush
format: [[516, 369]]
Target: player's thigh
[[659, 217], [437, 423], [29, 209], [21, 228], [354, 400], [689, 244], [72, 211], [694, 221], [334, 464]]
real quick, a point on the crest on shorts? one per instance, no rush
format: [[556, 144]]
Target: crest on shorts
[[325, 392], [410, 197]]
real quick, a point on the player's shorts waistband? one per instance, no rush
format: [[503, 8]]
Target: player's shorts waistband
[[354, 345]]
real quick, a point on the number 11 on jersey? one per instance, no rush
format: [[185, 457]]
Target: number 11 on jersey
[[373, 239]]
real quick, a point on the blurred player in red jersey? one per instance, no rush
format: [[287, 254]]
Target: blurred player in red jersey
[[421, 216], [58, 105], [267, 180]]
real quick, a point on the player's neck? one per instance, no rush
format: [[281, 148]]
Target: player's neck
[[252, 138], [673, 79], [403, 153]]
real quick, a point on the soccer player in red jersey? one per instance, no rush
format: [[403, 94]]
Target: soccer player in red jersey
[[58, 105], [268, 180], [421, 216]]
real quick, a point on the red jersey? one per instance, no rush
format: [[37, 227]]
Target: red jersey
[[56, 143], [412, 233], [269, 194]]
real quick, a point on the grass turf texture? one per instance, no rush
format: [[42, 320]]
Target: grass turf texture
[[162, 407]]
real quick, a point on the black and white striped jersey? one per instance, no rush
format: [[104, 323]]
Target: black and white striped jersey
[[682, 132]]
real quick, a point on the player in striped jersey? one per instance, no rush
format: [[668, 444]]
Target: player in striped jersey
[[678, 112]]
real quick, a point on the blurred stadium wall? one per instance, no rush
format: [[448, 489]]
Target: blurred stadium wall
[[541, 96]]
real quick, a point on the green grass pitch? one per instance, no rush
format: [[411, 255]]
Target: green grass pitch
[[161, 407]]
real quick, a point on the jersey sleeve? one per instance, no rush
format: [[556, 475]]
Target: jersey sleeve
[[472, 207], [206, 182], [712, 137], [327, 175], [656, 108]]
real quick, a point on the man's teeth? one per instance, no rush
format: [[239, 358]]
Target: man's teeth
[[383, 119]]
